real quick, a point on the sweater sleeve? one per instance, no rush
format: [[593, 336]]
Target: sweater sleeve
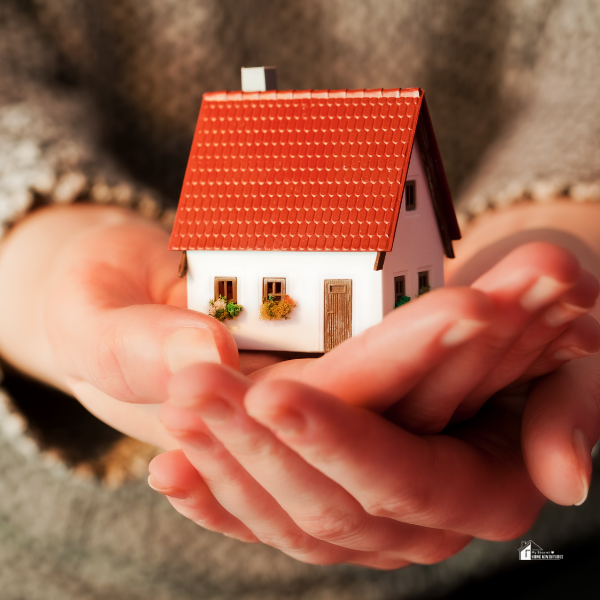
[[52, 153], [52, 142], [549, 144]]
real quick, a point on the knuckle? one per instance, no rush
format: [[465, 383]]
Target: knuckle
[[495, 343], [209, 521], [511, 529], [424, 423], [517, 520], [418, 503], [106, 369], [290, 542], [201, 514], [449, 545], [255, 446], [383, 562], [301, 546], [334, 525]]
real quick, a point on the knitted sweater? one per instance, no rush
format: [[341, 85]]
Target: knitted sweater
[[98, 102]]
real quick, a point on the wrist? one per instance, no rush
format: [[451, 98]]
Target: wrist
[[494, 234]]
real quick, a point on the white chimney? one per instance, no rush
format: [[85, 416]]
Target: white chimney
[[259, 79]]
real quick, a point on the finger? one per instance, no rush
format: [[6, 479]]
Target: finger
[[139, 421], [548, 327], [108, 323], [522, 285], [561, 424], [581, 338], [433, 481], [239, 494], [172, 475], [317, 505], [579, 300], [380, 365]]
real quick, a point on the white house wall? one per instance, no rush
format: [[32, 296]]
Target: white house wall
[[305, 273], [417, 242]]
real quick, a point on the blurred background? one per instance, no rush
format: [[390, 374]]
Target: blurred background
[[492, 71]]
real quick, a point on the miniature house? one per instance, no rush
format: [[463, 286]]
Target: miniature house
[[335, 198]]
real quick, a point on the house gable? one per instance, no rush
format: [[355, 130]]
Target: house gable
[[418, 245], [437, 182]]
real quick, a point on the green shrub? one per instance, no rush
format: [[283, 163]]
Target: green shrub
[[402, 300], [222, 309]]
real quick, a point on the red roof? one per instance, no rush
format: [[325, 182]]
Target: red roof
[[299, 170]]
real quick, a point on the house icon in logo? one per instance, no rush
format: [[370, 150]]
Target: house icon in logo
[[527, 548]]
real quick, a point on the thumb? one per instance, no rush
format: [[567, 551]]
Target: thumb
[[561, 424], [131, 352]]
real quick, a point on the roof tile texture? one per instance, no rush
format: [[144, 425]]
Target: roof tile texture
[[297, 170]]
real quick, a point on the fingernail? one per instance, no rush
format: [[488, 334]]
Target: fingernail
[[570, 353], [583, 453], [189, 346], [286, 422], [541, 292], [167, 491], [562, 313], [461, 331]]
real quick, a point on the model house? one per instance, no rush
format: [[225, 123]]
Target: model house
[[316, 211]]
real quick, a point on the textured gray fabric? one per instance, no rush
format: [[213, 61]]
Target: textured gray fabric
[[62, 538], [549, 146], [511, 84], [98, 100]]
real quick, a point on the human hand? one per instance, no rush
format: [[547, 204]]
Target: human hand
[[82, 290], [327, 482], [101, 291], [484, 433], [539, 298], [99, 312]]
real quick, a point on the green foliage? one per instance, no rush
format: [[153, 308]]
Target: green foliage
[[402, 300], [424, 290], [234, 309], [223, 309]]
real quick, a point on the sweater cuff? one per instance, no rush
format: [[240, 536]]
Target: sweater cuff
[[536, 191], [52, 155]]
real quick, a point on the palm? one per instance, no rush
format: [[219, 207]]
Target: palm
[[119, 286]]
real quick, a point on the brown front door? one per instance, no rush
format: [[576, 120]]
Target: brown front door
[[338, 312]]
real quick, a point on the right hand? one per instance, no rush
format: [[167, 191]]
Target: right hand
[[240, 453]]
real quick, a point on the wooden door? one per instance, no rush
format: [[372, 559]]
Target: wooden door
[[338, 312]]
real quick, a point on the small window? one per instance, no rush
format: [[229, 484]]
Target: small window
[[400, 296], [423, 282], [227, 287], [410, 195], [275, 287], [399, 288]]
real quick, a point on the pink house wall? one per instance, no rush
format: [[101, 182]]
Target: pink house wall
[[417, 242]]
